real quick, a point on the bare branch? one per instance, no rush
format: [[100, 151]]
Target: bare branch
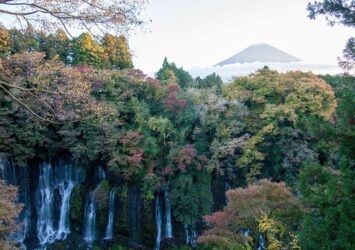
[[109, 16], [25, 106]]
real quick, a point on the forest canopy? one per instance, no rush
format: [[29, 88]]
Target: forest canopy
[[263, 161]]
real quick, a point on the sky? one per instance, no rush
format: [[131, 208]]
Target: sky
[[201, 33]]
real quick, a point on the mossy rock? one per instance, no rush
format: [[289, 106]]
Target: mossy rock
[[121, 220], [102, 199], [119, 247], [149, 227], [77, 207], [58, 245]]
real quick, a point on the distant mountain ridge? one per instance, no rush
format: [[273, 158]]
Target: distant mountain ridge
[[260, 53]]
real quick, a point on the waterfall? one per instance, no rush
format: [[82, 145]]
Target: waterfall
[[52, 191], [168, 224], [100, 174], [90, 218], [65, 190], [66, 177], [194, 237], [158, 222], [46, 232], [25, 215], [187, 236], [8, 173], [62, 177], [190, 239], [91, 208], [111, 214], [261, 242], [22, 233]]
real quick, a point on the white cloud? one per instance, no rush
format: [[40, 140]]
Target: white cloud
[[227, 72]]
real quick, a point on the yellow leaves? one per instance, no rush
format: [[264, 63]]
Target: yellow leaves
[[275, 99], [265, 207], [275, 233], [52, 90], [286, 94], [251, 155], [4, 40], [61, 35], [89, 52], [117, 51], [161, 125]]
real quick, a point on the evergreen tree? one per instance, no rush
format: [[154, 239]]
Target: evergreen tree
[[338, 12], [211, 81], [23, 40], [57, 44], [169, 72]]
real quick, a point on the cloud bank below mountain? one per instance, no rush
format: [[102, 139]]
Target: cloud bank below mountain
[[227, 72]]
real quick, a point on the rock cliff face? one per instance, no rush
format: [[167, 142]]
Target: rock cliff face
[[260, 53], [68, 206]]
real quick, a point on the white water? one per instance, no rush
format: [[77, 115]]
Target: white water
[[63, 178], [65, 190], [22, 233], [261, 242], [46, 232], [100, 175], [90, 218], [190, 239], [158, 222], [91, 209], [187, 236], [111, 214], [8, 173], [168, 224], [194, 237], [67, 176]]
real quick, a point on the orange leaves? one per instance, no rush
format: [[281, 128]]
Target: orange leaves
[[186, 157], [9, 211], [50, 89], [246, 208], [128, 159]]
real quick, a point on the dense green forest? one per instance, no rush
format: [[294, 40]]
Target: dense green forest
[[295, 129], [264, 161]]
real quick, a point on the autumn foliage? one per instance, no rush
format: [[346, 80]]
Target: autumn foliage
[[172, 102], [248, 209], [9, 210], [49, 90]]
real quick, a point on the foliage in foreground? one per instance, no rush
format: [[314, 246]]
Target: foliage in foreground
[[264, 208], [9, 210]]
